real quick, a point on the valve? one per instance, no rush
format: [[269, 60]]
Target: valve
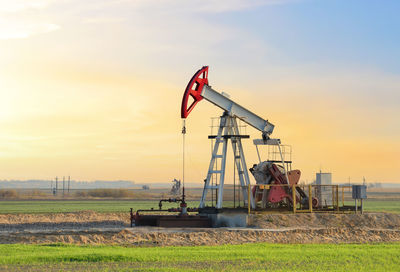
[[193, 89]]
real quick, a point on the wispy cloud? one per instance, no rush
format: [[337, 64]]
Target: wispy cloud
[[21, 19], [209, 6], [19, 5], [217, 6], [22, 29]]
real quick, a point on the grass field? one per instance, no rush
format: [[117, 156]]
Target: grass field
[[386, 206], [38, 206], [271, 257]]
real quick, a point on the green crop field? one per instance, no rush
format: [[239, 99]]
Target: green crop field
[[39, 206], [251, 257], [380, 205], [392, 206]]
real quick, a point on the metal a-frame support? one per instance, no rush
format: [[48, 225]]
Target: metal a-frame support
[[228, 129]]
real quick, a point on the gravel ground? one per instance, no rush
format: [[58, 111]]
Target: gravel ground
[[113, 228]]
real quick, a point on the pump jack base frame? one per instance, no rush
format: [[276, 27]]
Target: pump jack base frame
[[171, 221]]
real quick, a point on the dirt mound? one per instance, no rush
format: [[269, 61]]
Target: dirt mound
[[112, 228], [324, 220], [84, 216], [62, 221], [209, 237]]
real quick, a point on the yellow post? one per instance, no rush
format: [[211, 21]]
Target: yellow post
[[337, 197], [333, 196], [310, 198], [294, 198], [248, 199], [342, 196]]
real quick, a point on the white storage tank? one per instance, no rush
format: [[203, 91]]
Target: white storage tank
[[324, 193]]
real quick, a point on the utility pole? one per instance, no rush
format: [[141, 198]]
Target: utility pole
[[349, 185], [56, 185], [69, 182], [63, 185]]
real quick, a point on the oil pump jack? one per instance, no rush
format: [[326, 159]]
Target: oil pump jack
[[267, 172], [198, 88], [275, 174]]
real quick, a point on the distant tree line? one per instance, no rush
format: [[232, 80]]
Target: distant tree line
[[44, 184]]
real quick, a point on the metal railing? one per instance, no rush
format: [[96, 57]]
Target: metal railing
[[303, 198]]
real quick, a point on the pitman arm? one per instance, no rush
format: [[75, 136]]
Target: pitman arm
[[198, 89]]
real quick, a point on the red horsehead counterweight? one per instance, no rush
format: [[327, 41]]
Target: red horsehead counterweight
[[193, 89]]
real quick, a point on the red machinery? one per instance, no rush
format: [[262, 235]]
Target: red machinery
[[280, 194]]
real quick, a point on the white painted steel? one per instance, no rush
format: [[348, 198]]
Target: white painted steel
[[276, 142], [223, 165], [283, 165], [241, 163], [267, 142], [228, 126], [235, 110], [212, 161]]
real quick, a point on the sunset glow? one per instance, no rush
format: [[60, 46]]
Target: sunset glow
[[92, 89]]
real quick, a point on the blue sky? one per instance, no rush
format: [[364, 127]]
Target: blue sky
[[102, 81], [336, 33]]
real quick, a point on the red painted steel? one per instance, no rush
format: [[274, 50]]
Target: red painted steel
[[193, 89], [277, 193]]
